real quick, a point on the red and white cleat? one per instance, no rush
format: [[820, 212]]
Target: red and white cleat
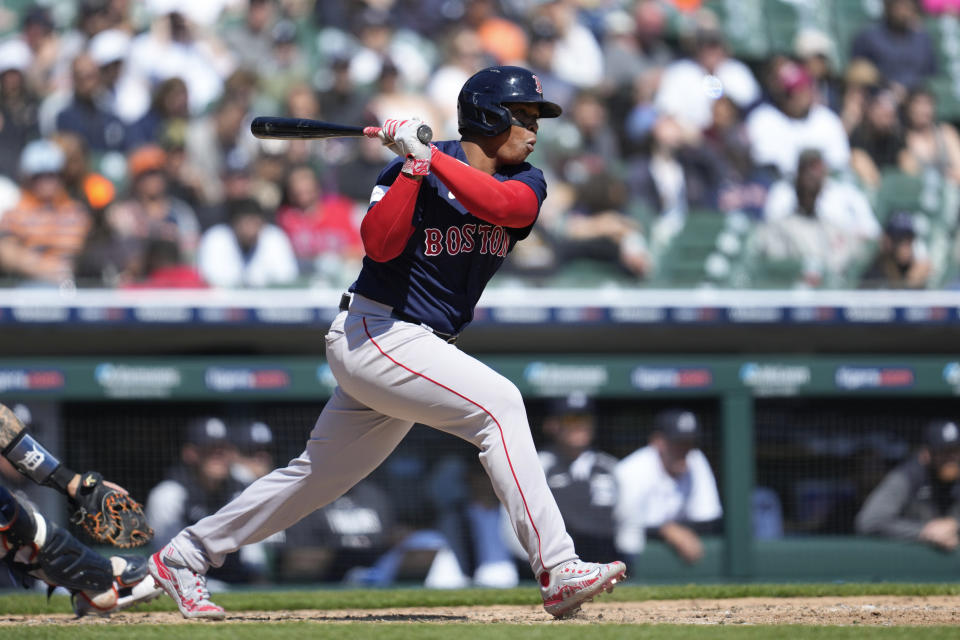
[[567, 586], [187, 587]]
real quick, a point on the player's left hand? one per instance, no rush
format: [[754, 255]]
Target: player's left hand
[[108, 514]]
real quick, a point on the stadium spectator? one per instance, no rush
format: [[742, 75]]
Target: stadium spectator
[[246, 251], [125, 94], [37, 32], [322, 228], [286, 67], [794, 122], [690, 85], [92, 189], [816, 52], [86, 115], [743, 187], [633, 43], [18, 105], [342, 100], [169, 105], [577, 56], [861, 80], [667, 490], [582, 479], [165, 268], [210, 139], [464, 57], [676, 173], [876, 143], [929, 145], [174, 47], [150, 210], [195, 487], [901, 261], [42, 235], [899, 46], [822, 221], [501, 39], [917, 501], [250, 38]]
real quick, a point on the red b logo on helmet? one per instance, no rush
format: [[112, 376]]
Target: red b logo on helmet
[[536, 80]]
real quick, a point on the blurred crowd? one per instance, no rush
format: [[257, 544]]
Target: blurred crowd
[[126, 158]]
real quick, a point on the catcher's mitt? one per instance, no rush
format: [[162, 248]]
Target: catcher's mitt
[[108, 515]]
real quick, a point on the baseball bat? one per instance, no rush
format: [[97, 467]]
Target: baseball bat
[[275, 127]]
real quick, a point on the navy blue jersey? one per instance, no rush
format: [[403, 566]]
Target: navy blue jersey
[[451, 256]]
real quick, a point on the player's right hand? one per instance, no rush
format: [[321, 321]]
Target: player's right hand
[[401, 137]]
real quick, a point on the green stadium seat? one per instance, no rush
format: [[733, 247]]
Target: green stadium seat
[[743, 23]]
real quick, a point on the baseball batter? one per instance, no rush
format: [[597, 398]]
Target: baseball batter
[[442, 220]]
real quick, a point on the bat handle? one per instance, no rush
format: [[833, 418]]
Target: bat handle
[[424, 133]]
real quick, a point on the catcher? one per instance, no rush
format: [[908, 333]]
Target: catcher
[[31, 545]]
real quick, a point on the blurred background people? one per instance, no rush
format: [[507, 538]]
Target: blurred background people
[[197, 486], [667, 490], [898, 45], [247, 250], [920, 499], [583, 480], [42, 235], [902, 261]]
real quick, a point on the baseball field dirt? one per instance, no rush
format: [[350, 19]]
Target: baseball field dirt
[[817, 611]]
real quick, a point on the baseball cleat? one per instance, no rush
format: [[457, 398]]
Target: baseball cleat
[[131, 586], [567, 586], [187, 587]]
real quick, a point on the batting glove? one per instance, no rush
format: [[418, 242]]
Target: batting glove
[[401, 137]]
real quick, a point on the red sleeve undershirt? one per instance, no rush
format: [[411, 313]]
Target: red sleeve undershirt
[[510, 204], [388, 224]]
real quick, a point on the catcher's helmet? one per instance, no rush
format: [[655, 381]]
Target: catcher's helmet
[[480, 107]]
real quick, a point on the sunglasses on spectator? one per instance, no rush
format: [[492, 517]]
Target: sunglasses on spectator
[[44, 174]]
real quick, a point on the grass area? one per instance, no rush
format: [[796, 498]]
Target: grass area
[[557, 631], [336, 598]]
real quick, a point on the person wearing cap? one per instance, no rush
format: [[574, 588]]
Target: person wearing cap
[[247, 250], [920, 499], [150, 210], [902, 261], [196, 484], [667, 489], [125, 93], [793, 121], [42, 235], [816, 51], [581, 478]]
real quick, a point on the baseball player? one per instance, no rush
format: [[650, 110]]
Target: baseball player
[[32, 545], [442, 220]]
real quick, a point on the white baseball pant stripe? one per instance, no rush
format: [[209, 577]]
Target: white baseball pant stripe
[[392, 374]]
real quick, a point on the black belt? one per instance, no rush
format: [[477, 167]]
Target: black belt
[[398, 315]]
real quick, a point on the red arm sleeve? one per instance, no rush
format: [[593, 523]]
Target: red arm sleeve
[[510, 204], [388, 224]]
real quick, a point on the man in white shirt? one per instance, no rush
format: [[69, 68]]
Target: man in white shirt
[[667, 489], [247, 251], [779, 132], [689, 87]]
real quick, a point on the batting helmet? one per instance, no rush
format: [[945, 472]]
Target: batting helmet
[[480, 107]]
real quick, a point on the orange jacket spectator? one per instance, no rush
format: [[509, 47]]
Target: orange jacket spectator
[[42, 235]]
